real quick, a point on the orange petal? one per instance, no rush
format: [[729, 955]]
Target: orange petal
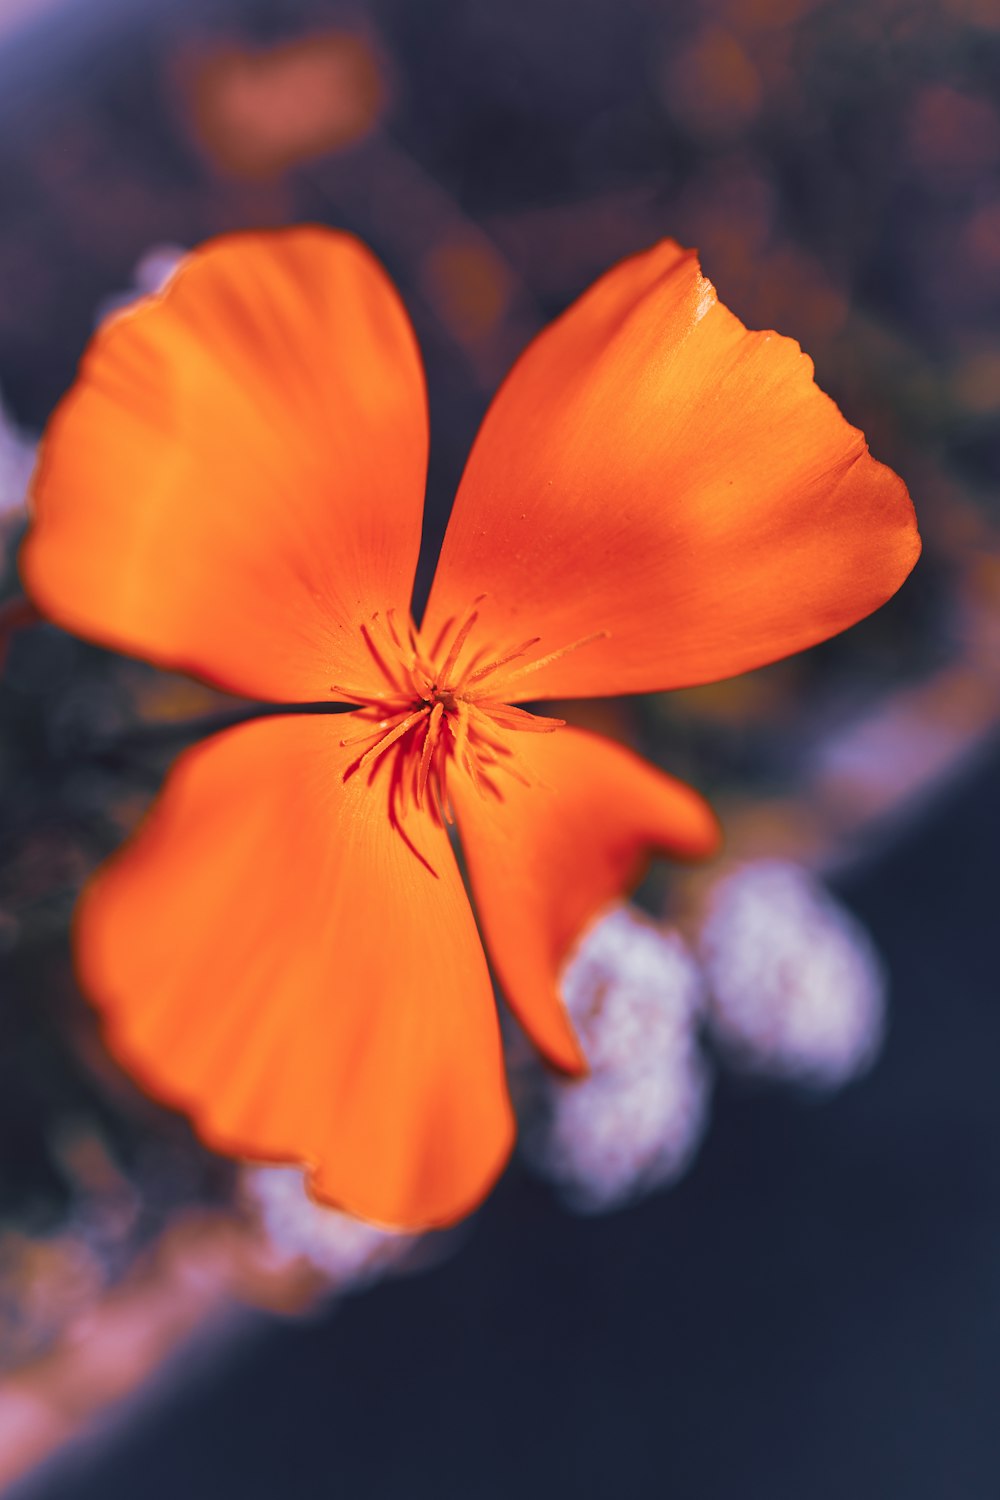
[[236, 479], [653, 471], [548, 857], [274, 958]]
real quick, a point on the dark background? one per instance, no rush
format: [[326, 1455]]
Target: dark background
[[814, 1311]]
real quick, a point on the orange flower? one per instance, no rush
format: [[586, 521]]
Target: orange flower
[[233, 488]]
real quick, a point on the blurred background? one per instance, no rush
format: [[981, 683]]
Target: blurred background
[[709, 1269]]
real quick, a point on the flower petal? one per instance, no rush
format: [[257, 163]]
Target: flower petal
[[652, 470], [236, 480], [546, 858], [275, 958]]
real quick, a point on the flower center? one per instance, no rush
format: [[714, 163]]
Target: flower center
[[438, 709]]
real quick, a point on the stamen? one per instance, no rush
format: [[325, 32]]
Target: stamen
[[354, 695], [390, 620], [489, 747], [430, 740], [471, 766], [490, 752], [487, 784], [545, 661], [379, 728], [458, 723], [485, 726], [419, 658], [475, 660], [441, 801], [379, 659], [501, 661], [461, 637], [511, 717], [437, 645], [408, 661], [396, 820], [377, 751]]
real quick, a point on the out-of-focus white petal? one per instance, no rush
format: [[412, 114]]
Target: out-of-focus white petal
[[632, 989], [17, 457], [155, 267], [349, 1251], [634, 1124], [150, 274], [796, 988]]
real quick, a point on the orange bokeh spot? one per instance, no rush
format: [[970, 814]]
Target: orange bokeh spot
[[259, 112]]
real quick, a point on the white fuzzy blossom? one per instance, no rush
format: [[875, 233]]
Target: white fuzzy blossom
[[17, 457], [796, 989], [17, 451], [347, 1250], [634, 994], [155, 267], [150, 274]]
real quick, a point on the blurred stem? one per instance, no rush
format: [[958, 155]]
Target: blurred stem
[[167, 734], [15, 614]]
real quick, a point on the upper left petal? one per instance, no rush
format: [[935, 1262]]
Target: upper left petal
[[236, 479]]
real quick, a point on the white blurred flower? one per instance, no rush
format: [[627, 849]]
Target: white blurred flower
[[151, 273], [155, 267], [635, 996], [349, 1251], [17, 457], [796, 988]]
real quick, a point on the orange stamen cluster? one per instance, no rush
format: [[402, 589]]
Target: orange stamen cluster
[[436, 710]]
